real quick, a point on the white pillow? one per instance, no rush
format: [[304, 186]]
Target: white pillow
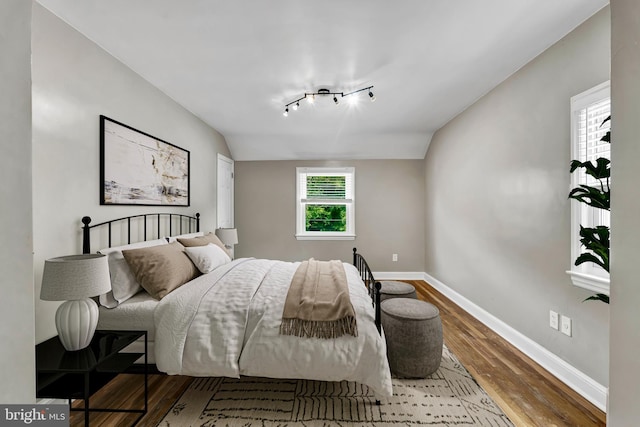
[[172, 239], [208, 257], [123, 283]]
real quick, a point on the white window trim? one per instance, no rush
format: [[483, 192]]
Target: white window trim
[[301, 233], [591, 282]]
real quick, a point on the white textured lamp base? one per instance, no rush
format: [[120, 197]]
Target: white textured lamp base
[[76, 323]]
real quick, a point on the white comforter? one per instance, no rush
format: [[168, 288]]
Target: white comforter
[[226, 323]]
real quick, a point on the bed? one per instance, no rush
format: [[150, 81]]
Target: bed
[[226, 321]]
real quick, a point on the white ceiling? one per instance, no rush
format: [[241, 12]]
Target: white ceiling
[[235, 64]]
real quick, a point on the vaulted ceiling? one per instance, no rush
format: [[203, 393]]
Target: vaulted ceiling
[[235, 64]]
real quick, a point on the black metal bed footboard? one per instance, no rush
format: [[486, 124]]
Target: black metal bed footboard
[[370, 282], [165, 222]]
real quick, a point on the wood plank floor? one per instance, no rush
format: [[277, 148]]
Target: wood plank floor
[[127, 391], [528, 394]]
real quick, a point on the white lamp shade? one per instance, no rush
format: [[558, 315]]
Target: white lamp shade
[[228, 236], [75, 277], [76, 322]]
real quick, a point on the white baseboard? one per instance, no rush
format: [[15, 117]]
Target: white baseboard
[[581, 383]]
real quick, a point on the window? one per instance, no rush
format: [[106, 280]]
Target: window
[[588, 110], [325, 204]]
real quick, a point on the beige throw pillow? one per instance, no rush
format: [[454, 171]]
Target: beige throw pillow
[[161, 269], [123, 282], [204, 241]]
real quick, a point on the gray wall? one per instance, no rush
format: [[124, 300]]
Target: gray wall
[[74, 81], [497, 214], [389, 213], [17, 373], [624, 371]]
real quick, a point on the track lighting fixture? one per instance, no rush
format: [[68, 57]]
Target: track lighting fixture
[[310, 97]]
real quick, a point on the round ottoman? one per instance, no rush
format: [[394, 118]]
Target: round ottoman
[[392, 289], [413, 330]]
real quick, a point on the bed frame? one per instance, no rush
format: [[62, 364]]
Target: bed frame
[[185, 224], [373, 286], [191, 224]]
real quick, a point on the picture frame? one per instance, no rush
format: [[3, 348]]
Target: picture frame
[[139, 169]]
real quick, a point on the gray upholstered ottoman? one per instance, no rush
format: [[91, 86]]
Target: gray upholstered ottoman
[[413, 330], [392, 289]]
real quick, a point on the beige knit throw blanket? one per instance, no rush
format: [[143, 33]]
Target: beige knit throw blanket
[[318, 303]]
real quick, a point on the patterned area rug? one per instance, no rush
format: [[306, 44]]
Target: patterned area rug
[[449, 397]]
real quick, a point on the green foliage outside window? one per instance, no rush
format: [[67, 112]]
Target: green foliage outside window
[[326, 217]]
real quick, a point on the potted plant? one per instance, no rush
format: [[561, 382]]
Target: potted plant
[[595, 239]]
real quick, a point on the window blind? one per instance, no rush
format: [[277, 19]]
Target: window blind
[[326, 188], [590, 132]]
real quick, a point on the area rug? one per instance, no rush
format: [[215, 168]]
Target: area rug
[[449, 397]]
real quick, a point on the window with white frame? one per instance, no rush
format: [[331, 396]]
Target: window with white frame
[[325, 203], [588, 112]]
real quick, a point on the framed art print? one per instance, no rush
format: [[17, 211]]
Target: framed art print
[[139, 169]]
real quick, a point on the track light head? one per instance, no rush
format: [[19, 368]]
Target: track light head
[[286, 112], [372, 96], [335, 99], [295, 106]]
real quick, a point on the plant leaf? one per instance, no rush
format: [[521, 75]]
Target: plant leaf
[[598, 297], [591, 196], [596, 240], [601, 170], [588, 257], [575, 164]]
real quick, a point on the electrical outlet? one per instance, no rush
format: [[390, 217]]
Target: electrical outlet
[[394, 257], [553, 320], [565, 325]]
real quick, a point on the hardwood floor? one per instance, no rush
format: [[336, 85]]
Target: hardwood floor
[[126, 391], [528, 394]]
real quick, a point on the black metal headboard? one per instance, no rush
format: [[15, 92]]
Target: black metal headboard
[[372, 285], [184, 224]]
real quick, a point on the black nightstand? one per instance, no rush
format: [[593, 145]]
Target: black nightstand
[[63, 374]]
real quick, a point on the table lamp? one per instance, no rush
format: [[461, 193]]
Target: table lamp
[[75, 279], [228, 236]]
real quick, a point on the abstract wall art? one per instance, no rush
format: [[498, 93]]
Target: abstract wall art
[[139, 169]]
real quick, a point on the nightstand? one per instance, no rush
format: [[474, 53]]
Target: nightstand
[[63, 374]]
